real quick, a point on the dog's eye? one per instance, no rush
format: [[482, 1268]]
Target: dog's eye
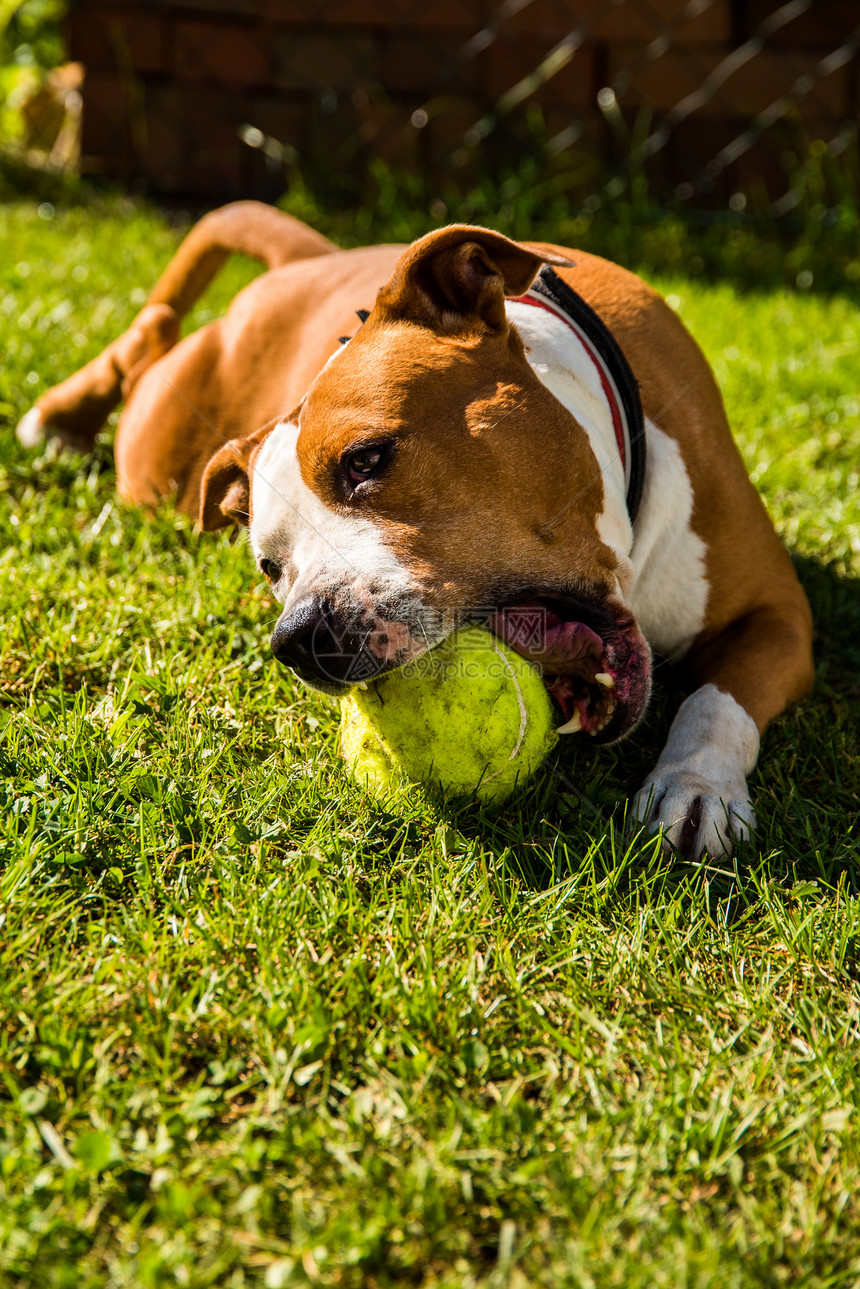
[[270, 569], [362, 464]]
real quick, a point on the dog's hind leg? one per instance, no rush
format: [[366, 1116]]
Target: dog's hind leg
[[75, 410]]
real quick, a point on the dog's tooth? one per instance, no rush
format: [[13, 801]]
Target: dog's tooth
[[361, 684], [603, 724], [603, 678], [573, 726]]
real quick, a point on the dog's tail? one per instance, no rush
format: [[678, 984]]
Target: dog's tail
[[244, 227], [75, 410]]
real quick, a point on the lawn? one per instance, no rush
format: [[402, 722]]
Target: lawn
[[257, 1031]]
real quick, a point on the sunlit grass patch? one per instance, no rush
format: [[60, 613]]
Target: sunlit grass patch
[[257, 1030]]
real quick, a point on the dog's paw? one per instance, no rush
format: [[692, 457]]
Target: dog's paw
[[31, 429], [695, 816]]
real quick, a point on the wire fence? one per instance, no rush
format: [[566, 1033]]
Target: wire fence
[[705, 103]]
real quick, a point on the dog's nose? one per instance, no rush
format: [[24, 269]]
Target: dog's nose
[[294, 636], [309, 640]]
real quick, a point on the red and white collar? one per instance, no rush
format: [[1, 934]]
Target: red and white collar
[[550, 293]]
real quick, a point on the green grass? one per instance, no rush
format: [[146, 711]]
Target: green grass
[[256, 1031]]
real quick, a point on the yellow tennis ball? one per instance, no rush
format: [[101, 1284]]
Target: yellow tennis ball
[[470, 717]]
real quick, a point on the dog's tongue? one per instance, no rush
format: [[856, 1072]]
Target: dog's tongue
[[558, 648]]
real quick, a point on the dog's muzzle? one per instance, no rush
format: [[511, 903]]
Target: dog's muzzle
[[307, 640], [323, 650]]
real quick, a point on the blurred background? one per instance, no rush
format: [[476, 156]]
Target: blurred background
[[655, 130]]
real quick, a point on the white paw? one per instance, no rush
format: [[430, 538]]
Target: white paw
[[31, 429], [694, 815], [33, 432]]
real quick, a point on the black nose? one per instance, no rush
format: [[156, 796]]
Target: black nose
[[294, 636], [311, 640]]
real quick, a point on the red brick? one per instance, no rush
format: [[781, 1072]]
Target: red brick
[[448, 124], [622, 21], [385, 130], [214, 169], [462, 16], [106, 39], [412, 64], [294, 13], [88, 40], [343, 139], [106, 122], [216, 47], [692, 145], [376, 120], [749, 90], [222, 53], [823, 27], [761, 171], [695, 144], [764, 165], [547, 19], [286, 121], [507, 62], [558, 121], [325, 62], [167, 134], [712, 26], [771, 75], [193, 141], [223, 8]]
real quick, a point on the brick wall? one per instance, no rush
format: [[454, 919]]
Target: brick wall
[[171, 83]]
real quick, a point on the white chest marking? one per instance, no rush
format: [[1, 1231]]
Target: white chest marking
[[562, 363], [670, 587], [668, 591]]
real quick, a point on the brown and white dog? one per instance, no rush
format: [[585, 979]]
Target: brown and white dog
[[462, 453]]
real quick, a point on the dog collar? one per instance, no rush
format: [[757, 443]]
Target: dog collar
[[549, 292]]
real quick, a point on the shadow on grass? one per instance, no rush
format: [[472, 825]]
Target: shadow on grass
[[835, 600]]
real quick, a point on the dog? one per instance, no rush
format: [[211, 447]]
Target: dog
[[505, 429]]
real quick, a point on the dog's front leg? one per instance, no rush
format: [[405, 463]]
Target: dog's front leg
[[697, 794]]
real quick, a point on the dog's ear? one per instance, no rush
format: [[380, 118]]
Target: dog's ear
[[225, 489], [461, 275]]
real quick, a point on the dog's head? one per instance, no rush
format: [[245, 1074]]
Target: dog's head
[[429, 478]]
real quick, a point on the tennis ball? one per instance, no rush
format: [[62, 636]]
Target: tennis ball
[[469, 717]]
